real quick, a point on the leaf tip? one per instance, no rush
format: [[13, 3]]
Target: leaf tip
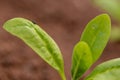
[[105, 16]]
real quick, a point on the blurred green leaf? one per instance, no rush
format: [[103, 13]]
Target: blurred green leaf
[[109, 70], [111, 6], [38, 40], [115, 34]]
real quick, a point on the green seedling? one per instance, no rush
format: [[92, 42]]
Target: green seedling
[[92, 43], [113, 8]]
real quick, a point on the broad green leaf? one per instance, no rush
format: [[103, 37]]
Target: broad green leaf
[[81, 60], [109, 70], [111, 6], [38, 40], [96, 34]]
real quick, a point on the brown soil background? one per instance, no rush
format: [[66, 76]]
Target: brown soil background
[[63, 20]]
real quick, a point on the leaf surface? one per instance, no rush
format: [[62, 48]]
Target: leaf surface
[[96, 34], [109, 70], [38, 40], [82, 60]]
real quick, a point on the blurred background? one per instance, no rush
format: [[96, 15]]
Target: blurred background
[[63, 20]]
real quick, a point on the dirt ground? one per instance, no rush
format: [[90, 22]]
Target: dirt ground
[[63, 20]]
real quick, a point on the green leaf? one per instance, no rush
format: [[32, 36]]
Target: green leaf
[[38, 40], [82, 60], [96, 34], [109, 70], [111, 6], [93, 41]]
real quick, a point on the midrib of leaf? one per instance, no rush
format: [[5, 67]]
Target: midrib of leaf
[[61, 71], [96, 34], [47, 45], [95, 37], [77, 67]]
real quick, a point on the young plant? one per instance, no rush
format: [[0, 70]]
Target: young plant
[[93, 40], [113, 8]]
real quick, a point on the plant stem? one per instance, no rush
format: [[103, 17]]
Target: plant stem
[[62, 74]]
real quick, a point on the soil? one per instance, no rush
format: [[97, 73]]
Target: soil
[[63, 20]]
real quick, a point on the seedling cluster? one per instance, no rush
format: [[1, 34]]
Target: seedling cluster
[[85, 53]]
